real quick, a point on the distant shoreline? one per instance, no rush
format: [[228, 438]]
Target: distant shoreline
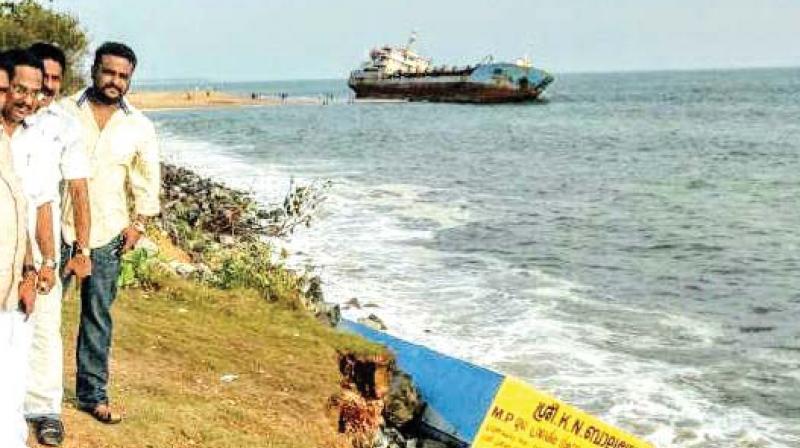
[[202, 99]]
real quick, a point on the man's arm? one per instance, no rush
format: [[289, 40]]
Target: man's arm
[[47, 247], [79, 191], [145, 181], [27, 261], [76, 169], [27, 287], [80, 263], [44, 231]]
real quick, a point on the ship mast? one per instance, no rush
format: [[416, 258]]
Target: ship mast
[[411, 40]]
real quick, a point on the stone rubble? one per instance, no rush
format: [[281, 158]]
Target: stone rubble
[[201, 214]]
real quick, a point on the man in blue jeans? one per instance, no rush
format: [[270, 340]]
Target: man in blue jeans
[[121, 143]]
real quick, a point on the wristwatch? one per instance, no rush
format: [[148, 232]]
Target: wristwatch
[[49, 263], [78, 249]]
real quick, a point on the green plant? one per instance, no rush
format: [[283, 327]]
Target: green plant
[[140, 269], [251, 266]]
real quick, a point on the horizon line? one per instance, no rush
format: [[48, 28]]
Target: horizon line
[[566, 72]]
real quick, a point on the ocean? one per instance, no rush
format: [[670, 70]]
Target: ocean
[[631, 245]]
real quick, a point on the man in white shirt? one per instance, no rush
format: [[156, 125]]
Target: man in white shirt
[[124, 155], [17, 275], [62, 150], [21, 101]]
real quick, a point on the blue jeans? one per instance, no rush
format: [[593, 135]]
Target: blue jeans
[[98, 292]]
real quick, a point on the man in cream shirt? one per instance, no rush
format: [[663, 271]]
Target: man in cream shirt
[[123, 150]]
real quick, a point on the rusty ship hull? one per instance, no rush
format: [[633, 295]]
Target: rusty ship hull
[[458, 92], [489, 83]]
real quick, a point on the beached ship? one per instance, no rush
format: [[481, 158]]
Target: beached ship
[[400, 73]]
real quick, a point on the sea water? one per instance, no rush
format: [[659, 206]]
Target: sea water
[[631, 245]]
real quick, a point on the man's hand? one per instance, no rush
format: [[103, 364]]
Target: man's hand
[[80, 265], [130, 236], [27, 293], [47, 278]]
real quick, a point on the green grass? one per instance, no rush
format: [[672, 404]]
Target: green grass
[[172, 345]]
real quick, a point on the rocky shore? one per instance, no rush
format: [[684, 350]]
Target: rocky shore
[[220, 236]]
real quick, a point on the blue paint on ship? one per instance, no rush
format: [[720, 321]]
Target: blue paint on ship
[[458, 393], [511, 73]]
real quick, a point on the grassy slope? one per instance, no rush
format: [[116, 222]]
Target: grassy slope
[[171, 347]]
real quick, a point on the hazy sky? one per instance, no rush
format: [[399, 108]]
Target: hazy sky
[[282, 39]]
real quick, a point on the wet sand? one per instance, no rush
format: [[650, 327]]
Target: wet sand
[[202, 99]]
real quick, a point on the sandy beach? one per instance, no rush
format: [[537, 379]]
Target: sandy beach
[[202, 99]]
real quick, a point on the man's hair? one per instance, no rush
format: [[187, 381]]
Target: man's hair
[[45, 51], [114, 49], [4, 64], [19, 57]]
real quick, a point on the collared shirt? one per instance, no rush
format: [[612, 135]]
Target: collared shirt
[[37, 170], [13, 235], [124, 154], [47, 148], [62, 132], [33, 167]]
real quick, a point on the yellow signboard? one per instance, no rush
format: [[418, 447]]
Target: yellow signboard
[[522, 417]]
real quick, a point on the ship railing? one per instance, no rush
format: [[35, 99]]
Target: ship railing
[[436, 72]]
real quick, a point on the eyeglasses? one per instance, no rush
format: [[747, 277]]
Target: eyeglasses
[[20, 90]]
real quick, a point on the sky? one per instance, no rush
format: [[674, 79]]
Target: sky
[[253, 40]]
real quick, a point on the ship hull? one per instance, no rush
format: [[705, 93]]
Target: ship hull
[[452, 92], [489, 83]]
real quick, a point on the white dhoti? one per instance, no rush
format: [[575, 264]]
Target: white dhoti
[[15, 341], [46, 358]]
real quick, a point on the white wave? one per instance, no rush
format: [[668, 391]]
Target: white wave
[[362, 248]]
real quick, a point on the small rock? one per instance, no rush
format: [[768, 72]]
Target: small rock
[[395, 437], [373, 321], [352, 303], [203, 270], [227, 240], [198, 246], [380, 440], [329, 313], [404, 403], [147, 245], [229, 378], [182, 269], [430, 443], [315, 289]]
